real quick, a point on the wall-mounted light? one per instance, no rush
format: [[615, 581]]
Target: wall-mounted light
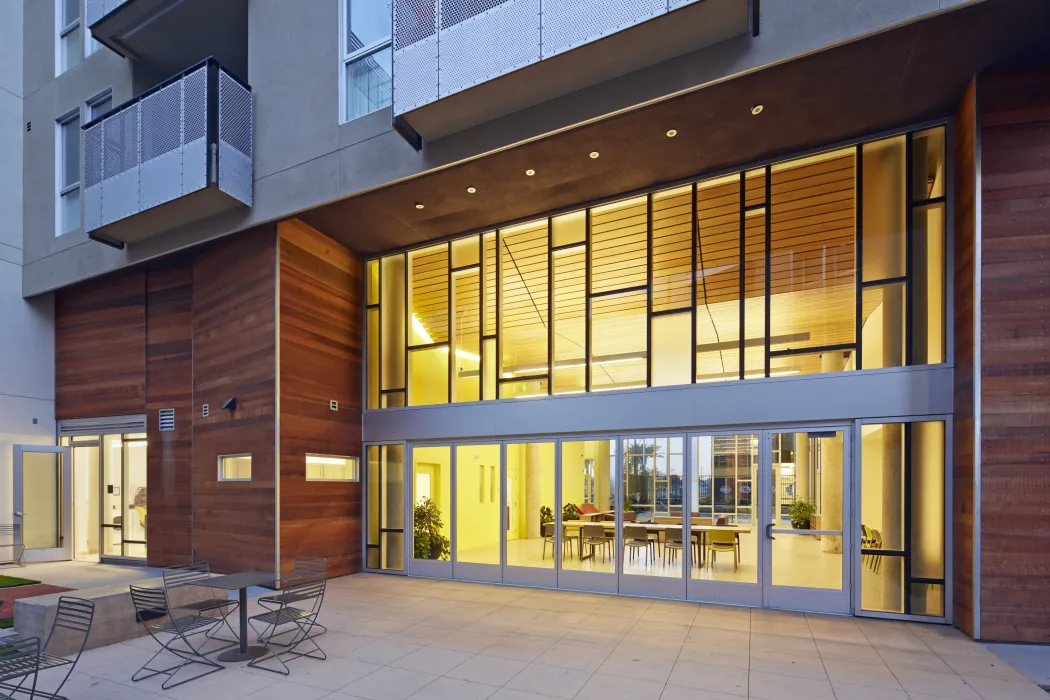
[[594, 154], [757, 110], [229, 404], [472, 190], [530, 172], [419, 205], [671, 133]]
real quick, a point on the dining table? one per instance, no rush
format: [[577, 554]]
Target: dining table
[[700, 531], [241, 583]]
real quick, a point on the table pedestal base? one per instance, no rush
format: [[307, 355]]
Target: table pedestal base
[[252, 652]]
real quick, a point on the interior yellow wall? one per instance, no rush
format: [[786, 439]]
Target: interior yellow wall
[[437, 462], [477, 504], [428, 377], [531, 469]]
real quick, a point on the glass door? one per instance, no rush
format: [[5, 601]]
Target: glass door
[[656, 547], [530, 505], [805, 553], [385, 499], [723, 507], [478, 504], [42, 502], [586, 516], [86, 527], [431, 520]]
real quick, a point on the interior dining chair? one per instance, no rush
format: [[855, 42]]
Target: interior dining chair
[[594, 536], [721, 541], [636, 537], [672, 543]]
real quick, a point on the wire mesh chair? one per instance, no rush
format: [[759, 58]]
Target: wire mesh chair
[[300, 604], [304, 567], [153, 611], [198, 574], [73, 617], [20, 658]]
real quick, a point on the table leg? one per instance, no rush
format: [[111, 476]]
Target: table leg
[[243, 651]]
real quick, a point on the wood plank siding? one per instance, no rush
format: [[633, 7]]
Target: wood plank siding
[[320, 361], [1015, 344]]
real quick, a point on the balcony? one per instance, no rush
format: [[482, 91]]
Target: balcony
[[168, 35], [178, 153], [459, 63]]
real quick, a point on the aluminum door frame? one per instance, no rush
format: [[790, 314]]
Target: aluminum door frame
[[464, 571], [653, 586], [540, 577], [795, 597], [427, 568], [64, 552], [590, 581], [731, 592]]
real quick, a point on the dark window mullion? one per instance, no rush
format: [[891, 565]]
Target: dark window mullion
[[769, 259], [858, 257]]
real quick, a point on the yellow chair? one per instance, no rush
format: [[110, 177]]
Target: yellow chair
[[721, 541]]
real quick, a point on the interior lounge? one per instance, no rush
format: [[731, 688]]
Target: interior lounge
[[828, 263]]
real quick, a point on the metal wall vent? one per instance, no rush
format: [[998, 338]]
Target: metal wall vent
[[333, 405], [166, 420], [204, 411]]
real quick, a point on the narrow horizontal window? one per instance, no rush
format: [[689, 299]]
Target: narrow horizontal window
[[332, 468], [235, 467]]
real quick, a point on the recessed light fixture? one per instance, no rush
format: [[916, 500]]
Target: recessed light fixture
[[594, 154], [530, 172], [671, 133], [757, 110], [419, 205], [472, 190]]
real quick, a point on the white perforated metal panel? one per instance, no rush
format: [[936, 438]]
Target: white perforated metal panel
[[194, 165], [567, 25], [235, 139], [120, 196], [414, 21], [510, 33], [92, 207], [160, 175], [675, 4], [416, 75]]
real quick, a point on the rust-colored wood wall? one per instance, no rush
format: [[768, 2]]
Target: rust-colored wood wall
[[964, 150], [320, 361], [169, 384], [234, 309], [1015, 344], [100, 337], [202, 328]]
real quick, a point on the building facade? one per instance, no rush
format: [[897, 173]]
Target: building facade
[[709, 300]]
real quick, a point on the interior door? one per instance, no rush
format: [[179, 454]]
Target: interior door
[[42, 501], [477, 513], [805, 516]]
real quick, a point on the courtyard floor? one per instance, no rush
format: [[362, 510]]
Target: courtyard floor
[[393, 637]]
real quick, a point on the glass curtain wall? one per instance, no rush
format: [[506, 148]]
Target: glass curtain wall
[[530, 505], [384, 483], [827, 263], [902, 518]]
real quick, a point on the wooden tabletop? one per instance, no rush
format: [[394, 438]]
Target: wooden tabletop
[[656, 527]]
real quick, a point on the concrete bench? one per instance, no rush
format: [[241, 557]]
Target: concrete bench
[[114, 614]]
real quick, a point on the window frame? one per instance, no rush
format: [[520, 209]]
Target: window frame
[[92, 103], [222, 457], [348, 57], [64, 30], [61, 188], [355, 461]]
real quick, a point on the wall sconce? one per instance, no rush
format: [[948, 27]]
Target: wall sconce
[[229, 404]]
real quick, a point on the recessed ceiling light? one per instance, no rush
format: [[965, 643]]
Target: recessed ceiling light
[[671, 133], [530, 172], [757, 110], [419, 205], [594, 154], [472, 190]]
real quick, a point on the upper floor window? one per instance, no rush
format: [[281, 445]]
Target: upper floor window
[[236, 467], [367, 57], [831, 262], [70, 51], [67, 148], [99, 105]]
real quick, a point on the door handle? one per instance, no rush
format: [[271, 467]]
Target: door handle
[[18, 514], [769, 531]]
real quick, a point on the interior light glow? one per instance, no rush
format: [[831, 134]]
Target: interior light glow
[[419, 328], [315, 459]]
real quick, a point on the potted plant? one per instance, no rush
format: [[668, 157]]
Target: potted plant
[[546, 516], [427, 540], [570, 512], [800, 512]]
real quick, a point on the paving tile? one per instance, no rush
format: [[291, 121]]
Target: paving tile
[[982, 667], [512, 694], [998, 689], [333, 674], [381, 651], [287, 690], [946, 685], [549, 680], [770, 686], [677, 692], [569, 655], [719, 679], [780, 643], [921, 661], [603, 687], [848, 691], [800, 666], [466, 641], [633, 664], [431, 660], [228, 683], [388, 683], [490, 670], [846, 651], [730, 657], [860, 674], [521, 647], [719, 638], [453, 689]]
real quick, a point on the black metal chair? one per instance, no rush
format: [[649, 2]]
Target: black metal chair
[[13, 534], [304, 567], [19, 658], [198, 574], [73, 620], [300, 604], [155, 614]]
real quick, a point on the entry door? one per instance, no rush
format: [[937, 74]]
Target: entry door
[[806, 559], [42, 501], [477, 512]]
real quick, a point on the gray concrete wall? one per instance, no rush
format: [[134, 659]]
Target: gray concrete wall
[[27, 355], [304, 157]]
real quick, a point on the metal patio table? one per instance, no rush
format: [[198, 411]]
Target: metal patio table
[[242, 582]]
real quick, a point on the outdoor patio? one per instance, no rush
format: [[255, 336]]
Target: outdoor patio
[[393, 637]]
